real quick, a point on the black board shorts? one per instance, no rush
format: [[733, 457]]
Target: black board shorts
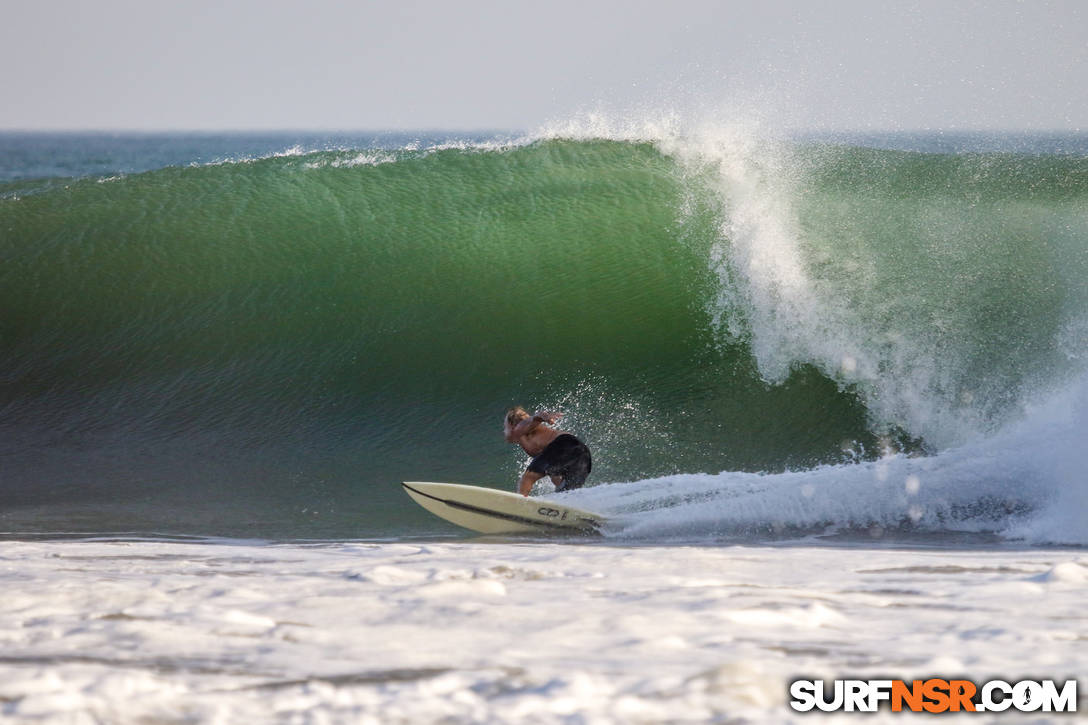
[[566, 456]]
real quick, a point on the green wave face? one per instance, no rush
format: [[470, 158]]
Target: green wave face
[[303, 332]]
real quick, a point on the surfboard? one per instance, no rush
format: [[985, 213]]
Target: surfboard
[[489, 511]]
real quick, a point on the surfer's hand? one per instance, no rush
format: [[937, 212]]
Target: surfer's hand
[[549, 417]]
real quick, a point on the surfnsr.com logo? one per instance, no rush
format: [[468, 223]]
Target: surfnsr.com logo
[[933, 695]]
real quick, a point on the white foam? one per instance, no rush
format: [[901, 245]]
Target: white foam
[[363, 158], [477, 632], [1073, 573], [1024, 483]]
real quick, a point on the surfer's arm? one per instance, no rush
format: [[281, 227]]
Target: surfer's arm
[[528, 425], [525, 485]]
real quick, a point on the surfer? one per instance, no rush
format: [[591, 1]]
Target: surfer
[[557, 454]]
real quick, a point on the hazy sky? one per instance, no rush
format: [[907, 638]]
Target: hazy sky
[[405, 64]]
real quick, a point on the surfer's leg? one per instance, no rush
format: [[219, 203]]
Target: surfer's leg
[[575, 470], [525, 485]]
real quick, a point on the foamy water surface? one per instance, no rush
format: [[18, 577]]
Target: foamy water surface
[[138, 631]]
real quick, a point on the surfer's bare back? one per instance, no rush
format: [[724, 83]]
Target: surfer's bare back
[[556, 454]]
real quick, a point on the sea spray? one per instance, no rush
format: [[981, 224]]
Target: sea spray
[[860, 262], [1025, 483]]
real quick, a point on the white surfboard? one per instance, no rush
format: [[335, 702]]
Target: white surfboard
[[499, 512]]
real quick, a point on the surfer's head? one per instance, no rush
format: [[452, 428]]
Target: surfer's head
[[515, 415], [509, 421]]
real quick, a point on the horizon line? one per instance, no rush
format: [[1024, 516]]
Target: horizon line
[[504, 131]]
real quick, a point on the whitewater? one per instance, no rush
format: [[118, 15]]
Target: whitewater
[[836, 390], [509, 632]]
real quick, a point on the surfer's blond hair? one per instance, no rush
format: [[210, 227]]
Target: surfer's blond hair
[[513, 415]]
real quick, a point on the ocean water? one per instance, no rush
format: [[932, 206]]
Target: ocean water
[[263, 335], [836, 388]]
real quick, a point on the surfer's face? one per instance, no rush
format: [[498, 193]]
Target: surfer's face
[[513, 417]]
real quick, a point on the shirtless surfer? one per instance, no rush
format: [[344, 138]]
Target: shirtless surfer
[[556, 453]]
